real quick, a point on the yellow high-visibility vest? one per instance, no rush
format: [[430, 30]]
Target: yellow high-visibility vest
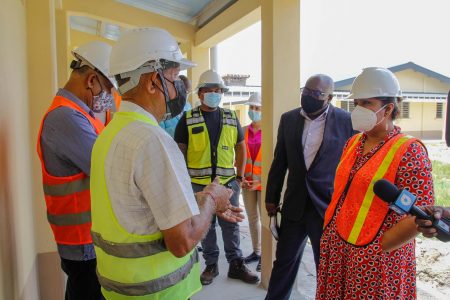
[[200, 159], [132, 266]]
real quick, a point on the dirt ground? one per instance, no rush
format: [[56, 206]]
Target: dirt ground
[[433, 256], [433, 267]]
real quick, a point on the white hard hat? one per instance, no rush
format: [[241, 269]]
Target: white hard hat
[[95, 55], [211, 78], [375, 82], [254, 99], [143, 50]]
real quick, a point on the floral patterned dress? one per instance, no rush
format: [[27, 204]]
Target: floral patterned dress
[[347, 271]]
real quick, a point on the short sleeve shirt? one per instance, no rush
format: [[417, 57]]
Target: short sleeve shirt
[[147, 179]]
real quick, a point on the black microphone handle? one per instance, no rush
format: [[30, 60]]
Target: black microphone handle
[[442, 231], [415, 211]]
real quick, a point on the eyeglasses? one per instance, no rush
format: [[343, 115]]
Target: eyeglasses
[[314, 93]]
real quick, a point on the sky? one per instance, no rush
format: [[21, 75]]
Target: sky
[[340, 37]]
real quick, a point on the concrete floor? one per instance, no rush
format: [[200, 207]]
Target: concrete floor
[[232, 289]]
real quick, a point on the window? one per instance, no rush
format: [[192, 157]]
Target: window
[[348, 105], [404, 110], [439, 110]]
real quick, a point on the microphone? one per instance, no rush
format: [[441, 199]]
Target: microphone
[[402, 202]]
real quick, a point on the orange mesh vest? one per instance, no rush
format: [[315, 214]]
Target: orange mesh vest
[[68, 198], [362, 213], [110, 112], [252, 168]]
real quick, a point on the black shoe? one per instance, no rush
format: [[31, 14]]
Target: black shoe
[[238, 270], [199, 248], [258, 267], [209, 273], [252, 257]]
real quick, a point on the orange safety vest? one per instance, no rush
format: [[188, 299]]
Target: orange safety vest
[[252, 168], [110, 112], [362, 213], [68, 198]]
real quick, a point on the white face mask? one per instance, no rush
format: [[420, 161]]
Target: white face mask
[[364, 119]]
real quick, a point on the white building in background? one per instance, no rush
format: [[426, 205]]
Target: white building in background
[[238, 94], [422, 111]]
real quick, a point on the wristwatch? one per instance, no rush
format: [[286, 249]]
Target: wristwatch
[[239, 178]]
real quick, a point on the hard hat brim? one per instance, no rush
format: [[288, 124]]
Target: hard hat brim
[[253, 103]]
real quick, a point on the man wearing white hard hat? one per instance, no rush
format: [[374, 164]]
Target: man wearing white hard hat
[[66, 137], [146, 220], [251, 185], [212, 141]]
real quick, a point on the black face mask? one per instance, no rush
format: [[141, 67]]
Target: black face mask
[[311, 105], [173, 106], [176, 105]]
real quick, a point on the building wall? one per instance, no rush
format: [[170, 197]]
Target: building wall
[[422, 122], [18, 264], [412, 81]]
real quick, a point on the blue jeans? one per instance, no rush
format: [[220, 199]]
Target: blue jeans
[[230, 232]]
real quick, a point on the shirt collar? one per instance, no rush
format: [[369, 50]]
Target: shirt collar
[[322, 116], [68, 95], [133, 107]]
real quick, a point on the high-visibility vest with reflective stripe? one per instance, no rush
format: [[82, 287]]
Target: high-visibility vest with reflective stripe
[[252, 168], [199, 156], [67, 198], [133, 266], [363, 213]]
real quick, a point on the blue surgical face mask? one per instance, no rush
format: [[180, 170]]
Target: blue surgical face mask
[[212, 99], [254, 115]]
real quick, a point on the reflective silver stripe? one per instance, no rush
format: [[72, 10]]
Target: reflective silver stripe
[[249, 161], [69, 219], [231, 122], [247, 174], [191, 121], [67, 188], [151, 286], [225, 172], [128, 250], [256, 177], [199, 172], [257, 164]]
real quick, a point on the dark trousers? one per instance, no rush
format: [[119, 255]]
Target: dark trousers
[[230, 232], [291, 243], [82, 282]]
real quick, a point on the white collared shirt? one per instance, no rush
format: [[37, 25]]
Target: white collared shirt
[[147, 179], [312, 135]]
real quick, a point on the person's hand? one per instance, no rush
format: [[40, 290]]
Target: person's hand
[[424, 226], [220, 194], [254, 185], [271, 209], [232, 214], [245, 184]]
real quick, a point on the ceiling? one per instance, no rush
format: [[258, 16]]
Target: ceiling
[[195, 12]]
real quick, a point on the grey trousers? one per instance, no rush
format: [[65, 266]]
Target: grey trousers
[[230, 232], [252, 202]]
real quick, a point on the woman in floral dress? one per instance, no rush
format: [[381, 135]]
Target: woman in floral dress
[[367, 250]]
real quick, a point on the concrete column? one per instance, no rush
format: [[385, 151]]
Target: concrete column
[[42, 86], [62, 45], [280, 33], [199, 55], [214, 56]]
